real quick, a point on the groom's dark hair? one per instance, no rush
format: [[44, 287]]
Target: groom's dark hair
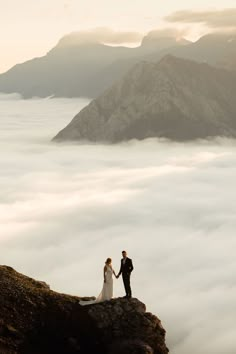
[[124, 252]]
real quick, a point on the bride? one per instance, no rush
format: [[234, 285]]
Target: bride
[[107, 290]]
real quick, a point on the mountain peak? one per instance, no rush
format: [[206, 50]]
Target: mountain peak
[[76, 39], [173, 66], [163, 39], [175, 98], [171, 60], [217, 38]]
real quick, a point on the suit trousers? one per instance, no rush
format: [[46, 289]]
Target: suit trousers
[[126, 281]]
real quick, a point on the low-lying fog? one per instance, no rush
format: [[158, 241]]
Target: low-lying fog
[[65, 208]]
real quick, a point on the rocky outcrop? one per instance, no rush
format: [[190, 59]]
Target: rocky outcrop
[[175, 98], [36, 320]]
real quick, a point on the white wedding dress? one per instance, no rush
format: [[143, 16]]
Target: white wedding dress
[[107, 289]]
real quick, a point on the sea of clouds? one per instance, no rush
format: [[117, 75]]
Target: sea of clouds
[[65, 208]]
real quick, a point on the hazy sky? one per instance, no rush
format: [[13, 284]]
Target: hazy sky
[[30, 28]]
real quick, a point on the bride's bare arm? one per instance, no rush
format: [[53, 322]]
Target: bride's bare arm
[[114, 273], [104, 273]]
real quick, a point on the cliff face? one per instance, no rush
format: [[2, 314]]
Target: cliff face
[[36, 320], [174, 98]]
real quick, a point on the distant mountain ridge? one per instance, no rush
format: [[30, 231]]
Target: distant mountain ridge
[[218, 49], [77, 69], [175, 98]]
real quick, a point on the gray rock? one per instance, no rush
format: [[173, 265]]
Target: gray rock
[[175, 98]]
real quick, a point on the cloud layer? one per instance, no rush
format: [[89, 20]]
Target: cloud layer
[[225, 18], [167, 33], [65, 209], [101, 35]]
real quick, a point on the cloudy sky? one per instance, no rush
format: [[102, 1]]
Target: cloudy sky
[[31, 28]]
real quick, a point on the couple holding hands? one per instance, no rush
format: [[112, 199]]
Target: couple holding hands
[[126, 268]]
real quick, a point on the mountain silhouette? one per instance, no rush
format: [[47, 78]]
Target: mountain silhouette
[[175, 98]]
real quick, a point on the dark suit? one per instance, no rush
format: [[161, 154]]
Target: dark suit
[[126, 269]]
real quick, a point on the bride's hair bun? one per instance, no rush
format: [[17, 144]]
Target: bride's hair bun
[[108, 261]]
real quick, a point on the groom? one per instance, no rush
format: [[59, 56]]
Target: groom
[[126, 268]]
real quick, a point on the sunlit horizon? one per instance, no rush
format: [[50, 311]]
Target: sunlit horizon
[[31, 29]]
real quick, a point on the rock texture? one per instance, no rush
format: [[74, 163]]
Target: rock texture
[[36, 320], [175, 98]]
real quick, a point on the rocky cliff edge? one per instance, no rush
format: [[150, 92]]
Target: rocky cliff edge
[[36, 320]]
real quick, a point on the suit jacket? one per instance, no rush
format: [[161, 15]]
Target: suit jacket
[[127, 267]]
